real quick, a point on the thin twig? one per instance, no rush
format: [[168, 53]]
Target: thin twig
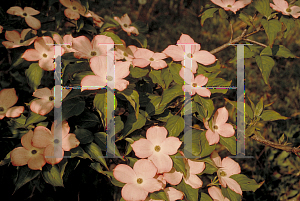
[[255, 42], [151, 9]]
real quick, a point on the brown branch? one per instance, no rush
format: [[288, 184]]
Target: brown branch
[[260, 139], [293, 2], [255, 42]]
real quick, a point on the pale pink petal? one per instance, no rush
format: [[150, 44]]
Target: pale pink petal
[[216, 158], [125, 19], [201, 80], [143, 148], [281, 4], [185, 39], [31, 11], [238, 5], [212, 137], [32, 55], [202, 92], [66, 3], [2, 116], [195, 167], [36, 162], [204, 57], [141, 62], [69, 142], [124, 173], [133, 191], [230, 166], [82, 44], [29, 41], [13, 36], [233, 185], [91, 82], [221, 116], [15, 111], [26, 140], [122, 69], [226, 130], [19, 156], [98, 65], [162, 161], [15, 10], [9, 44], [33, 22], [130, 30], [173, 194], [215, 193], [151, 185], [175, 52], [143, 53], [121, 84], [44, 93], [8, 97], [275, 7], [41, 106], [49, 154], [184, 70], [228, 2], [71, 14], [99, 42], [170, 145], [118, 20], [58, 39], [65, 128], [159, 56], [156, 135], [219, 3], [42, 137], [158, 64], [194, 181], [40, 44], [144, 168], [194, 66], [295, 11], [47, 64], [173, 177], [80, 55]]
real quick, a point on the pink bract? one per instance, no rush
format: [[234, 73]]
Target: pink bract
[[8, 98], [177, 52], [28, 154], [138, 181], [67, 40], [157, 148], [125, 22], [172, 194], [231, 5], [74, 9], [216, 194], [45, 103], [15, 39], [219, 126], [144, 57], [226, 168], [283, 7], [27, 14]]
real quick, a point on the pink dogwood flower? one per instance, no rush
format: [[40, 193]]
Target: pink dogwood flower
[[74, 9], [219, 127], [144, 57], [98, 21], [177, 52], [196, 83], [27, 15], [231, 5], [125, 22], [283, 7], [15, 39], [157, 148], [99, 80], [125, 53], [44, 138], [8, 98], [95, 51], [216, 194], [28, 154], [171, 193], [1, 29], [66, 40], [139, 180], [43, 52], [226, 168]]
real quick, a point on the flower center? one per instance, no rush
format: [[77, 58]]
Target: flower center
[[21, 41], [288, 10], [33, 151], [24, 14], [139, 180], [151, 59], [93, 53], [74, 8], [125, 54], [68, 46], [45, 55], [194, 84], [125, 25], [215, 127], [157, 148], [1, 109], [56, 141], [229, 6], [109, 78], [189, 55], [51, 98], [223, 174]]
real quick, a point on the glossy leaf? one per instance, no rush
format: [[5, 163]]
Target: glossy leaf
[[190, 193], [84, 136], [271, 115], [72, 107], [209, 13], [265, 65], [24, 176], [52, 175], [263, 7], [246, 183], [229, 143], [96, 153], [34, 75], [272, 27], [175, 125], [132, 124]]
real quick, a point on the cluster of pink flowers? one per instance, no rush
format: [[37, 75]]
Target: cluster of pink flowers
[[39, 147]]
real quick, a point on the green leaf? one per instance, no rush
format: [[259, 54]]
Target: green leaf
[[166, 76], [246, 183], [133, 124], [249, 131], [153, 106], [248, 111], [89, 28], [97, 167], [72, 107], [156, 77], [206, 149], [84, 136], [113, 36], [259, 107], [218, 82], [193, 147], [205, 197], [209, 169], [289, 24], [25, 175], [222, 13], [79, 24], [233, 196], [101, 140], [34, 75], [175, 125], [209, 13], [245, 18], [141, 26], [87, 120], [100, 103], [169, 94], [265, 65], [34, 118], [277, 50], [271, 115], [133, 97], [73, 68], [229, 143], [159, 195], [52, 175], [138, 72], [141, 38], [174, 69], [119, 125], [272, 27], [79, 152], [178, 162], [58, 18], [207, 105], [190, 193], [263, 7], [96, 153]]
